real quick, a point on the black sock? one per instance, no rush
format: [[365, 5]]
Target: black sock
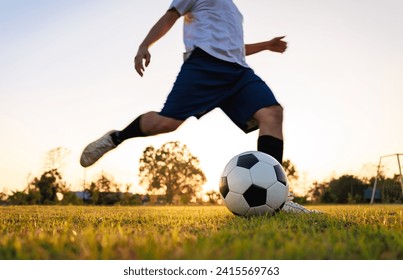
[[131, 131], [271, 146]]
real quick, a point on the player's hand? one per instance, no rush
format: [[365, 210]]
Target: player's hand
[[142, 55], [277, 44]]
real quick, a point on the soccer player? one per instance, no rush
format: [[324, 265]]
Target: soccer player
[[214, 75]]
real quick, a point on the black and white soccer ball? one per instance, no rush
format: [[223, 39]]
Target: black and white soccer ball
[[253, 183]]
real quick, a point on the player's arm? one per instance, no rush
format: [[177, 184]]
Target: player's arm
[[276, 44], [163, 25]]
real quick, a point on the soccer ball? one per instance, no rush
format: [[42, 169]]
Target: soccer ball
[[253, 183]]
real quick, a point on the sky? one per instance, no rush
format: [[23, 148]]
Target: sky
[[67, 77]]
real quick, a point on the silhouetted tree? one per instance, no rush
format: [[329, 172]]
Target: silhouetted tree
[[292, 177], [213, 196], [291, 170], [49, 184], [345, 189], [391, 190], [173, 170], [348, 189], [104, 191], [3, 196], [91, 194], [46, 188], [71, 198], [18, 198]]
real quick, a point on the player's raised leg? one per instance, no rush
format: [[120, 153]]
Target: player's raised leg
[[148, 124]]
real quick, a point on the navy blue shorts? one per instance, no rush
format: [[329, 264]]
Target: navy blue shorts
[[205, 83]]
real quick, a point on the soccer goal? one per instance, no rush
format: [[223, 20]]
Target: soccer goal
[[399, 176]]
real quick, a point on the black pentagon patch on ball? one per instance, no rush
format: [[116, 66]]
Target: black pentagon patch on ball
[[247, 161], [224, 189], [281, 177], [255, 196]]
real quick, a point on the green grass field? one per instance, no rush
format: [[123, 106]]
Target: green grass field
[[197, 232]]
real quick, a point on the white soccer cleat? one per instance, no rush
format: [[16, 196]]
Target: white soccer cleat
[[293, 207], [95, 150]]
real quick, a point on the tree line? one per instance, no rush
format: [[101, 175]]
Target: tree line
[[172, 173], [352, 189], [174, 176]]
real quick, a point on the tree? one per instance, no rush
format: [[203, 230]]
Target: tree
[[348, 189], [3, 196], [213, 196], [293, 180], [391, 190], [49, 185], [92, 192], [103, 191], [71, 198], [291, 170], [345, 189], [18, 198], [45, 189], [173, 170]]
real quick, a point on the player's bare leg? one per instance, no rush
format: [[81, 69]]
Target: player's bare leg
[[270, 121], [270, 141], [153, 123]]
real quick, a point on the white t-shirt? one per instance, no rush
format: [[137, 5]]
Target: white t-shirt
[[215, 26]]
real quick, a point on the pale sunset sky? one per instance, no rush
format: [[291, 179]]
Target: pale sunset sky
[[67, 77]]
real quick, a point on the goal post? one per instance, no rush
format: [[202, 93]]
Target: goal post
[[379, 169]]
